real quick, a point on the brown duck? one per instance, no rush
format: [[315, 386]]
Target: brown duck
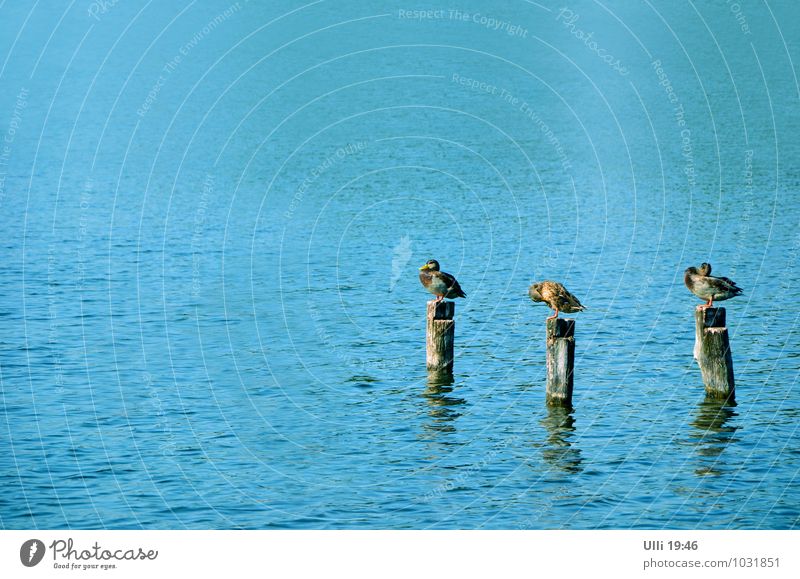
[[707, 287], [439, 283], [556, 296]]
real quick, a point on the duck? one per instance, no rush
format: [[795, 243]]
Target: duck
[[707, 287], [556, 296], [441, 284]]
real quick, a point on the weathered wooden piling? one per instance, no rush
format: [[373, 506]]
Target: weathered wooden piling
[[712, 350], [560, 361], [440, 335]]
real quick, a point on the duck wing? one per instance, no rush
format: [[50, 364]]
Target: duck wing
[[701, 285], [453, 288], [728, 285], [549, 291], [566, 301], [572, 301], [557, 297]]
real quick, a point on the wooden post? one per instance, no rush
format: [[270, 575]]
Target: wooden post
[[560, 361], [440, 335], [712, 350]]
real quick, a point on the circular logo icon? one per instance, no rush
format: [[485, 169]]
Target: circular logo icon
[[31, 552]]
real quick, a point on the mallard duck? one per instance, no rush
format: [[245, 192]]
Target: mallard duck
[[556, 296], [707, 287], [439, 283]]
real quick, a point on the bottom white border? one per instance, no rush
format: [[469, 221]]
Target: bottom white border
[[406, 554]]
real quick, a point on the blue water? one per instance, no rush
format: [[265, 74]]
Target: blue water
[[212, 218]]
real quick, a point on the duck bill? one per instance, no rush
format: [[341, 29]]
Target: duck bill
[[424, 267]]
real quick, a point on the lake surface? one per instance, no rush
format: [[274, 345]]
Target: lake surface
[[212, 218]]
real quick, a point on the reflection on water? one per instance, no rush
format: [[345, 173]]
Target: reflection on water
[[713, 434], [559, 450], [443, 408]]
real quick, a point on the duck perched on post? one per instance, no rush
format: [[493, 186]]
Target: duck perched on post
[[707, 287], [556, 296], [439, 283]]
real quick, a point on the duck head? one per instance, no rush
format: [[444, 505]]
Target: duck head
[[535, 292], [705, 269], [432, 265]]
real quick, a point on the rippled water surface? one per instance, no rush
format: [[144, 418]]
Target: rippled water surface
[[212, 218]]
